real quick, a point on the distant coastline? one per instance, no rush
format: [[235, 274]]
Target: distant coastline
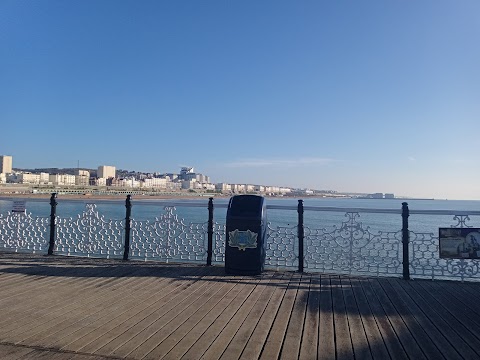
[[395, 198]]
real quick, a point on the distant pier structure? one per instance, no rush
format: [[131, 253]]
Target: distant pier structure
[[380, 196]]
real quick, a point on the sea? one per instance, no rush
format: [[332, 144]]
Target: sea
[[321, 213]]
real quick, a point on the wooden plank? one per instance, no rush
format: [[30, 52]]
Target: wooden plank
[[453, 331], [390, 339], [239, 341], [165, 316], [343, 341], [212, 315], [373, 335], [472, 288], [39, 354], [254, 346], [274, 341], [326, 332], [218, 346], [409, 343], [13, 352], [94, 302], [414, 326], [294, 333], [208, 337], [468, 327], [35, 309], [198, 329], [465, 294], [108, 310], [356, 324], [215, 295], [309, 342], [408, 303], [360, 345], [167, 307]]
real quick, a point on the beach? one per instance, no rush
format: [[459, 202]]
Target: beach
[[12, 196]]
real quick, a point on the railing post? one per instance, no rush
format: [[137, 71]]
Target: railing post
[[301, 235], [128, 220], [53, 215], [210, 232], [405, 241]]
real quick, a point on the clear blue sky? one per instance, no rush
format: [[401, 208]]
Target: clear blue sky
[[360, 96]]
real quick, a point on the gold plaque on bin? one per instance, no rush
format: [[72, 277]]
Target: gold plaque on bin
[[243, 239]]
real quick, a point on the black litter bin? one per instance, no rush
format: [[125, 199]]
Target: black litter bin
[[246, 228]]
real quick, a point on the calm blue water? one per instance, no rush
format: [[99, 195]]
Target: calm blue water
[[145, 210]]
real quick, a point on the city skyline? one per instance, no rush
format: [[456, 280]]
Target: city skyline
[[115, 171], [353, 97]]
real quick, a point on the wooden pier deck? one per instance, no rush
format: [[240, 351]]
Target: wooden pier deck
[[78, 308]]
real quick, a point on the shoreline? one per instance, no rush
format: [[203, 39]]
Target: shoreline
[[8, 196]]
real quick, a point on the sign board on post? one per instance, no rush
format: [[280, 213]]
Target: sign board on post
[[459, 243], [19, 206]]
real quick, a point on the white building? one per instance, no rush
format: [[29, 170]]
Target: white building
[[259, 188], [101, 182], [158, 183], [223, 187], [272, 189], [174, 186], [5, 164], [3, 178], [28, 178], [62, 179], [189, 184], [44, 178], [106, 172], [82, 177], [127, 182], [238, 188], [184, 171]]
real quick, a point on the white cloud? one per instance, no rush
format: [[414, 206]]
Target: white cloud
[[306, 161], [411, 158]]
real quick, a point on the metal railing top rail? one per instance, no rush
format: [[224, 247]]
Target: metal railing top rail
[[27, 199], [445, 212], [203, 202]]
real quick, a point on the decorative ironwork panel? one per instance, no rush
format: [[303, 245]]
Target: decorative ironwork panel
[[168, 238], [90, 235], [219, 236], [352, 248], [21, 232], [281, 247], [425, 261]]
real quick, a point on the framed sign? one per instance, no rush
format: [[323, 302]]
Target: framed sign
[[459, 243], [19, 206]]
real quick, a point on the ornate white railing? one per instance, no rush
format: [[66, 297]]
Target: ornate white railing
[[24, 233], [348, 244]]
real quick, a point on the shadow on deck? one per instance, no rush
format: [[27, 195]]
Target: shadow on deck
[[80, 308]]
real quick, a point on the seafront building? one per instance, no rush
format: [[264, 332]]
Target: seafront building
[[62, 179], [106, 176], [106, 172], [82, 177], [5, 164]]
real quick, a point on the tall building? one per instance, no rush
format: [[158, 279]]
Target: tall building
[[82, 177], [106, 172], [185, 172], [5, 164]]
